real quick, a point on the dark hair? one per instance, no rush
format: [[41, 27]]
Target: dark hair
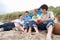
[[44, 6], [19, 15], [26, 12]]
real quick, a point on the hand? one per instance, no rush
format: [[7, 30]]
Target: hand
[[44, 20], [31, 20]]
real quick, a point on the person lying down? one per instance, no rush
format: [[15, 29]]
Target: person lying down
[[13, 25]]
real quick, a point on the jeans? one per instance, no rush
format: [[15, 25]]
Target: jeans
[[30, 24], [7, 26], [44, 26]]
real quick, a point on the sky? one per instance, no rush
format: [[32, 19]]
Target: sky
[[7, 6]]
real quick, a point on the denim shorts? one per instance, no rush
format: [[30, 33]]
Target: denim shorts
[[33, 24], [26, 25], [44, 26], [30, 24]]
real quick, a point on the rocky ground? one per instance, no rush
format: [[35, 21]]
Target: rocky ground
[[15, 35]]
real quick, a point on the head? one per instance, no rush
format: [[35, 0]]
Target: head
[[35, 11], [20, 17], [58, 18], [44, 8], [26, 13]]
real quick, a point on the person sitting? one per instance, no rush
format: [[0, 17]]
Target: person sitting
[[33, 21], [27, 18], [38, 12], [19, 23], [47, 21], [13, 24]]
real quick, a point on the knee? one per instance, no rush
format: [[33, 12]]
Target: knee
[[50, 20], [50, 28]]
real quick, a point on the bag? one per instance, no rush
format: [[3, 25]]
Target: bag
[[39, 21]]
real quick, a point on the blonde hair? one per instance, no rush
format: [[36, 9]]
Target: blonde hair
[[35, 10]]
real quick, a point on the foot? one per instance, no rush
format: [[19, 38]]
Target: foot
[[29, 32], [1, 29], [48, 37], [37, 32], [25, 32]]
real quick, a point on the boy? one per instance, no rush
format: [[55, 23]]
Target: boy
[[27, 18], [33, 22], [47, 21], [19, 23], [13, 24]]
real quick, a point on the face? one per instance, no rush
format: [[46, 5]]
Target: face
[[43, 10], [58, 18], [26, 14], [21, 18], [35, 13]]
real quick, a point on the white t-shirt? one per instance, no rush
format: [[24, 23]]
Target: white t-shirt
[[1, 23], [47, 16], [18, 22]]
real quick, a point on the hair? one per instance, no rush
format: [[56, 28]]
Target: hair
[[44, 6], [19, 15], [35, 10], [26, 12]]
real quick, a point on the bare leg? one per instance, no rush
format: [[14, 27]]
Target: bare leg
[[50, 29], [25, 31], [29, 30], [36, 29], [21, 28]]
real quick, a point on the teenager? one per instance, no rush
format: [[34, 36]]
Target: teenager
[[47, 19]]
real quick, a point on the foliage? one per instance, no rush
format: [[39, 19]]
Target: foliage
[[11, 16]]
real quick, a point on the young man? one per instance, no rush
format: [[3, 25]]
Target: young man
[[47, 21], [33, 22], [13, 24], [27, 18]]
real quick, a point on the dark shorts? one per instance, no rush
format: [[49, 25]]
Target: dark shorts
[[30, 24], [44, 26], [7, 26], [33, 24], [26, 26]]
